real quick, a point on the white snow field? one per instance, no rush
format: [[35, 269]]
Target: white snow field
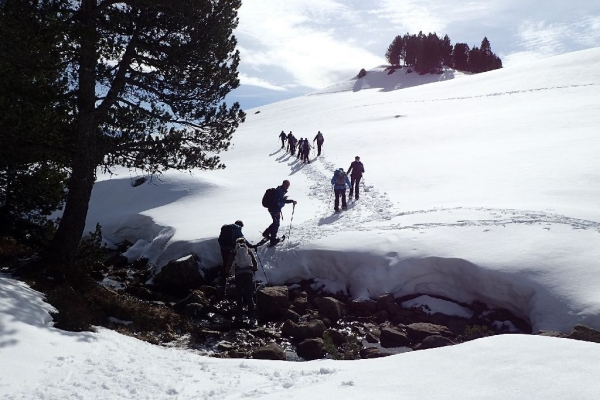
[[482, 187]]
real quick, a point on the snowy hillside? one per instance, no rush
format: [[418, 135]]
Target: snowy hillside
[[478, 188], [485, 188]]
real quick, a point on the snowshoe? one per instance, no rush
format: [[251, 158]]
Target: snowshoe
[[276, 241]]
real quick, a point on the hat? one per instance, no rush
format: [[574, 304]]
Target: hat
[[357, 158], [341, 169], [239, 223]]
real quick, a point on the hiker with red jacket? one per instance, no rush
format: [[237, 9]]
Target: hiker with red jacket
[[276, 203], [356, 170]]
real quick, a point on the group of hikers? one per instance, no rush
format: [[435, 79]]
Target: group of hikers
[[301, 148], [237, 253]]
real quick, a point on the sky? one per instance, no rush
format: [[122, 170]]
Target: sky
[[476, 188], [298, 46]]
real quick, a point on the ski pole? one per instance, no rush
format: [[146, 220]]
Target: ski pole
[[263, 268], [291, 219]]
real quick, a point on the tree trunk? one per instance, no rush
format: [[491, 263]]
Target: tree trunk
[[63, 248]]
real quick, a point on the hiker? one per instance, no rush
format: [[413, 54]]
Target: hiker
[[283, 137], [244, 262], [300, 146], [320, 139], [306, 151], [339, 182], [277, 202], [227, 240], [290, 141], [357, 169]]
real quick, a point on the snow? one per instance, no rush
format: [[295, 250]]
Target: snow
[[431, 305], [482, 187]]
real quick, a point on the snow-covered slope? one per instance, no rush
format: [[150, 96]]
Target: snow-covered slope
[[479, 188]]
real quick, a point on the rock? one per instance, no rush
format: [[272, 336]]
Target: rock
[[312, 329], [292, 315], [180, 276], [585, 333], [196, 297], [124, 246], [362, 308], [337, 337], [238, 354], [311, 349], [300, 305], [431, 342], [372, 352], [272, 301], [195, 310], [392, 338], [141, 263], [553, 334], [225, 345], [381, 316], [272, 351], [331, 308], [420, 330], [371, 338]]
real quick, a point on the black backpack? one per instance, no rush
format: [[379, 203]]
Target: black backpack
[[268, 199], [340, 178], [226, 236]]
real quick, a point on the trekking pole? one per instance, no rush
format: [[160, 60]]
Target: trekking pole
[[263, 268], [291, 219]]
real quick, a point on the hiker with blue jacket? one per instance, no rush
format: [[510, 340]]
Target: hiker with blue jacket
[[278, 201], [340, 182]]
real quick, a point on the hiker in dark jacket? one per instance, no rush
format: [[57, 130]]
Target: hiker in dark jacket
[[279, 201], [283, 137], [339, 182], [320, 139], [290, 142], [356, 170], [229, 235], [306, 151], [300, 146]]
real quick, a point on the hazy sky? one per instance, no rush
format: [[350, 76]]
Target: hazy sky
[[293, 47]]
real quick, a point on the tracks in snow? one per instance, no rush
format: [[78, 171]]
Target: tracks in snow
[[375, 211]]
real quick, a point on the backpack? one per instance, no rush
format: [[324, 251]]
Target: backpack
[[226, 236], [242, 257], [320, 138], [340, 178], [268, 199]]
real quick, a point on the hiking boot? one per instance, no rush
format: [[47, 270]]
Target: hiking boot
[[274, 242]]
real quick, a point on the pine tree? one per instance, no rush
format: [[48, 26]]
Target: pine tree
[[34, 120], [148, 79], [395, 51], [460, 56]]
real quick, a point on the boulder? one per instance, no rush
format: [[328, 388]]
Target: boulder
[[196, 297], [311, 349], [393, 338], [331, 308], [305, 330], [272, 301], [337, 337], [180, 276], [300, 304], [585, 333], [116, 260], [272, 351], [291, 315], [420, 330], [362, 308], [372, 352], [431, 342], [381, 316]]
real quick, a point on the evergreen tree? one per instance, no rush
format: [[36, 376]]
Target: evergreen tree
[[395, 50], [34, 121], [460, 56], [475, 60], [446, 51], [148, 78]]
